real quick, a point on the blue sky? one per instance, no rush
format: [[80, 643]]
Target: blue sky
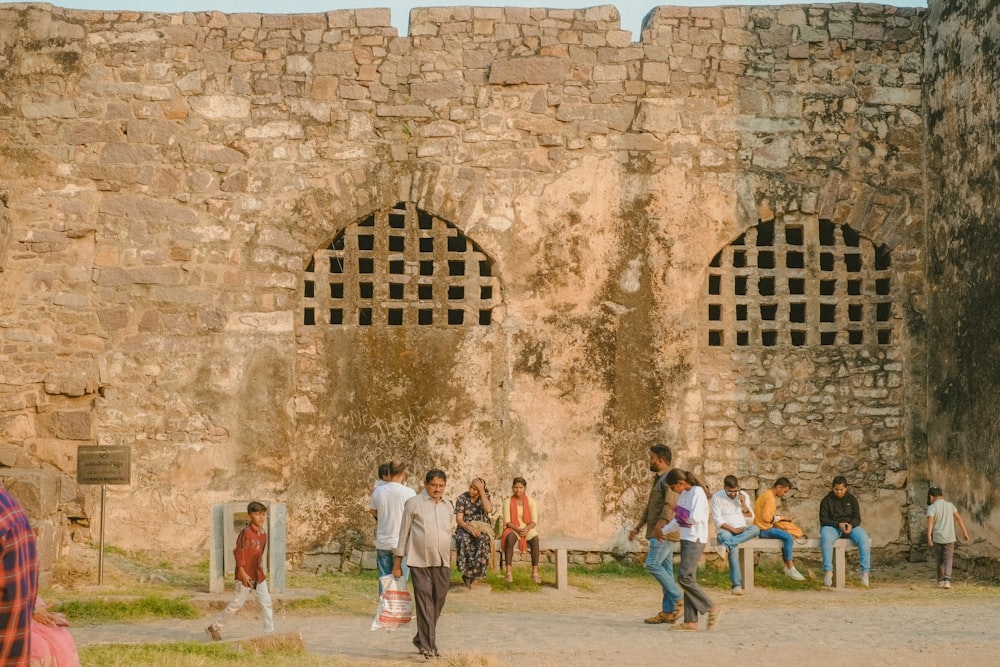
[[632, 11]]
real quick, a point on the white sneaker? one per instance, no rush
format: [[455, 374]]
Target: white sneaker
[[864, 579], [737, 590], [828, 579], [945, 584], [722, 551], [794, 574]]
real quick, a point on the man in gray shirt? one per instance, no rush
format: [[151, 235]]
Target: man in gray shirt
[[425, 542]]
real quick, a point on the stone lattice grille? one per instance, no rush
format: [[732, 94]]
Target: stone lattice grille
[[397, 267], [799, 282]]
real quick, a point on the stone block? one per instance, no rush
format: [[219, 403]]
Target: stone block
[[88, 132], [610, 73], [404, 111], [531, 70], [870, 31], [909, 97], [221, 107], [373, 18], [435, 90], [115, 153], [615, 116], [36, 490], [656, 72], [66, 425], [50, 109], [337, 63], [141, 276]]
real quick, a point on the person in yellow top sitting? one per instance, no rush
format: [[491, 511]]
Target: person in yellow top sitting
[[520, 517], [766, 516]]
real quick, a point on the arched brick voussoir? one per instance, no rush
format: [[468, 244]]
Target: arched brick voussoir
[[321, 212], [346, 197], [884, 217]]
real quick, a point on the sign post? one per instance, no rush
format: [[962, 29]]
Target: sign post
[[103, 465]]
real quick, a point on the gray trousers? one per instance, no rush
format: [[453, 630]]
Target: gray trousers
[[695, 600], [945, 553], [430, 589]]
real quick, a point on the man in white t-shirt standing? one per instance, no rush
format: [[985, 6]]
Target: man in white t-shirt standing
[[732, 514], [387, 508]]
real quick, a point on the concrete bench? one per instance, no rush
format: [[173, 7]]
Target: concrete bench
[[561, 547], [750, 547]]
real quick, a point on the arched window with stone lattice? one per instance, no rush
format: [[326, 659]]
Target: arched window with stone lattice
[[399, 267], [798, 281]]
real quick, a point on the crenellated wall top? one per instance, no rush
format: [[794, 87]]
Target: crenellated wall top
[[598, 26]]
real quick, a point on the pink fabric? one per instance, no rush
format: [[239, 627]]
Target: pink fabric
[[52, 647], [51, 644]]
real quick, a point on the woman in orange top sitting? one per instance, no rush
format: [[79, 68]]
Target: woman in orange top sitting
[[520, 516]]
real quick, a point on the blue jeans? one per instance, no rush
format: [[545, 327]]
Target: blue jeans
[[786, 541], [828, 535], [732, 542], [384, 561], [660, 564]]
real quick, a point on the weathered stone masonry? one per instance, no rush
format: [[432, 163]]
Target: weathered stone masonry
[[173, 184]]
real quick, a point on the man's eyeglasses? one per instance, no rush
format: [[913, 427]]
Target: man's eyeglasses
[[732, 493]]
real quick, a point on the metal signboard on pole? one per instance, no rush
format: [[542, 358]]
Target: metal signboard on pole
[[96, 464]]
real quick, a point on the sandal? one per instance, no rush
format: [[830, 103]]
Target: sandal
[[713, 618], [421, 650], [685, 627], [537, 578], [510, 577]]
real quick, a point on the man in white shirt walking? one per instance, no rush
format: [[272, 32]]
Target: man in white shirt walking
[[732, 514]]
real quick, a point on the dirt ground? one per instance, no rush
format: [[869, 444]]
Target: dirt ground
[[903, 619]]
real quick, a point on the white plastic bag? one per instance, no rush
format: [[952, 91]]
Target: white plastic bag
[[395, 606]]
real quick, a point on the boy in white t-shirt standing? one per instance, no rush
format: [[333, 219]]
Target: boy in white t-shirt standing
[[941, 519], [387, 508]]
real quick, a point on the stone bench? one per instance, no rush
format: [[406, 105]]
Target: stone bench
[[561, 547], [750, 547]]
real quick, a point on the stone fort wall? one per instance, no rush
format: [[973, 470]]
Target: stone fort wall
[[268, 252], [963, 121]]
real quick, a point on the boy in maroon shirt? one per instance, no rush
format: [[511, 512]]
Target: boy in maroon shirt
[[249, 554]]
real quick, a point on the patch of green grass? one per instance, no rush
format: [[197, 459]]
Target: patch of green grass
[[338, 592], [522, 579], [611, 569], [766, 576], [104, 610], [320, 603], [194, 654]]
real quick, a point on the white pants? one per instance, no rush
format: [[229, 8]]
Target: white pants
[[242, 592]]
